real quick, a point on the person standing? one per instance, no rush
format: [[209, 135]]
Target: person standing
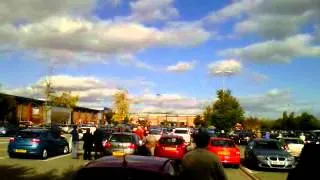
[[75, 140], [200, 164], [98, 147], [87, 145]]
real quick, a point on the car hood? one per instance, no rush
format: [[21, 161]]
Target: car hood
[[268, 152]]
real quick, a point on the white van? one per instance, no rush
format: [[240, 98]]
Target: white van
[[184, 132]]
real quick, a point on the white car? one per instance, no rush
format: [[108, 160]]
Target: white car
[[184, 132], [293, 145]]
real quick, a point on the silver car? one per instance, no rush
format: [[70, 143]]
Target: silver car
[[268, 153], [122, 142]]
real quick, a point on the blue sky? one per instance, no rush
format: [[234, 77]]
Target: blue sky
[[266, 52]]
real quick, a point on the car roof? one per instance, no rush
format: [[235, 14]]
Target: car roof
[[149, 163], [261, 139], [123, 133], [171, 136], [35, 130], [222, 139]]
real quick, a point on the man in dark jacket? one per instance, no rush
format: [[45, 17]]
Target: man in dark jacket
[[200, 164], [87, 145], [98, 147]]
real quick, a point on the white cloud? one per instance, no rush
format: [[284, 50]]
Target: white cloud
[[276, 50], [225, 67], [77, 38], [152, 10], [235, 9], [33, 10], [181, 66], [279, 19]]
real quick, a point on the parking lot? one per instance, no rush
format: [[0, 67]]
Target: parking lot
[[63, 166]]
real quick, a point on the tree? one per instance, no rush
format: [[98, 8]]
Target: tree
[[207, 113], [226, 111], [252, 123], [307, 121], [66, 99], [197, 120], [121, 105]]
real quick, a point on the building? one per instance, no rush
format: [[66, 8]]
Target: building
[[156, 119], [36, 111]]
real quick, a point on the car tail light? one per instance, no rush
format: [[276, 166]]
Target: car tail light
[[35, 140], [132, 146], [106, 144], [181, 147], [11, 140]]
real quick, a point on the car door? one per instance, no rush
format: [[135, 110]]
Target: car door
[[53, 142]]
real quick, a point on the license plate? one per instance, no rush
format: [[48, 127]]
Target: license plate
[[118, 153], [21, 151], [277, 163], [169, 149], [224, 153]]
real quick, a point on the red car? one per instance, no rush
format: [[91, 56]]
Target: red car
[[171, 146], [129, 167], [226, 150]]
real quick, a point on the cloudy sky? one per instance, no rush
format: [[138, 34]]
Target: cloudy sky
[[171, 55]]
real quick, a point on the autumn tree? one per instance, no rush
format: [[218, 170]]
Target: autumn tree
[[252, 123], [121, 105], [197, 120]]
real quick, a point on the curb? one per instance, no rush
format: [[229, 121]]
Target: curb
[[245, 170]]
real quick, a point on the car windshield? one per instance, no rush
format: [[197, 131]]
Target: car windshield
[[181, 131], [120, 138], [274, 145], [222, 143], [155, 131], [28, 134], [171, 141]]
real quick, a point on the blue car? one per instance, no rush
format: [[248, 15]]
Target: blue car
[[37, 142]]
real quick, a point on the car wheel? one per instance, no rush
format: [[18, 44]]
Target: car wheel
[[11, 155], [44, 154], [66, 149]]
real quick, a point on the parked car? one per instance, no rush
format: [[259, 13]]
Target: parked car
[[171, 146], [157, 133], [130, 167], [122, 143], [267, 153], [37, 142], [184, 132], [293, 145], [8, 130], [226, 150], [242, 137], [313, 137]]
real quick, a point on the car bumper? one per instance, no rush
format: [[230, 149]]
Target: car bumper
[[230, 160], [28, 150], [269, 165]]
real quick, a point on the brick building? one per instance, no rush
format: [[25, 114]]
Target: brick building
[[161, 118], [33, 110]]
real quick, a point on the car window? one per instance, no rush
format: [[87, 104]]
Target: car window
[[171, 141], [155, 131], [222, 143], [274, 145], [121, 138], [28, 134], [179, 131]]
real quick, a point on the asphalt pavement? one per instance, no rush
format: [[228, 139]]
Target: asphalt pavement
[[64, 166]]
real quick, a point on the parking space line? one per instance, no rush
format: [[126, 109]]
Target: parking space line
[[3, 157], [4, 143], [57, 157]]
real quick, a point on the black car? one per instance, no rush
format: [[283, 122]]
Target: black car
[[268, 153], [242, 137], [40, 142]]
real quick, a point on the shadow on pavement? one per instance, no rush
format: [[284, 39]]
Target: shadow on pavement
[[16, 172], [245, 164]]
